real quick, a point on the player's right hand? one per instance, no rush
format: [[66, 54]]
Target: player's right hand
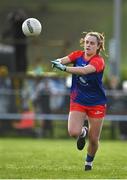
[[55, 61], [58, 65]]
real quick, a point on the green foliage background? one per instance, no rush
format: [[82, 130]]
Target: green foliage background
[[64, 21]]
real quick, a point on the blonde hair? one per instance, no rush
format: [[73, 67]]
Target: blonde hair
[[100, 39]]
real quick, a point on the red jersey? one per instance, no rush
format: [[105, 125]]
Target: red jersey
[[88, 89]]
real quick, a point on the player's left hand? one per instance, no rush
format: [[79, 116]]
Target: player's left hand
[[58, 65]]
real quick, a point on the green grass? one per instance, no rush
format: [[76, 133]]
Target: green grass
[[53, 159]]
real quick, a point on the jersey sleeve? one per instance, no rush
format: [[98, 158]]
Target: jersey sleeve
[[98, 63], [74, 55]]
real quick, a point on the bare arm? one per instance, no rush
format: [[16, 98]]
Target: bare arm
[[60, 64], [81, 70], [65, 60]]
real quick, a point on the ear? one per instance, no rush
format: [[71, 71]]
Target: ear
[[98, 46]]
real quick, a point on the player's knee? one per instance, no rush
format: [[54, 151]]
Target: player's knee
[[73, 132]]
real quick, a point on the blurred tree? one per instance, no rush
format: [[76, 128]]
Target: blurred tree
[[19, 40]]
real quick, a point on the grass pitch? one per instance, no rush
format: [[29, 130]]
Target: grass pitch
[[59, 159]]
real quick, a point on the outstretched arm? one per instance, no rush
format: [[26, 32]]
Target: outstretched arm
[[63, 60], [74, 70], [81, 70]]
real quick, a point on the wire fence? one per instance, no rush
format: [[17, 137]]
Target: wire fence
[[42, 104], [54, 117]]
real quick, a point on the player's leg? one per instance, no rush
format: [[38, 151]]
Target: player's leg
[[75, 123], [95, 126], [76, 129], [95, 119]]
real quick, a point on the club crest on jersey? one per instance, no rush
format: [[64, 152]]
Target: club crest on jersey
[[83, 64], [82, 81]]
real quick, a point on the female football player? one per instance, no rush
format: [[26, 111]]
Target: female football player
[[87, 98]]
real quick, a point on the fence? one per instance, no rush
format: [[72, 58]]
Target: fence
[[46, 97]]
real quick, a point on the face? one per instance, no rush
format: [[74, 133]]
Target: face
[[90, 45]]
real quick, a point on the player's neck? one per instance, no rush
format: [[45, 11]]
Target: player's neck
[[88, 56]]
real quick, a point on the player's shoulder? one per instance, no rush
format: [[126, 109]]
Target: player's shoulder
[[75, 54], [98, 58], [98, 62], [78, 52]]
